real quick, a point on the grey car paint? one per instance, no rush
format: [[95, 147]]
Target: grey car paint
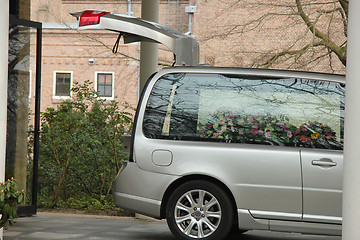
[[277, 188]]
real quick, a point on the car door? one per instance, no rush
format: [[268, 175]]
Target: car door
[[269, 182], [322, 185]]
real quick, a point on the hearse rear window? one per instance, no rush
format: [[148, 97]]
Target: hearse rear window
[[246, 109]]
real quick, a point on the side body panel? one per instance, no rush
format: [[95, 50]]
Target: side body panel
[[252, 173]]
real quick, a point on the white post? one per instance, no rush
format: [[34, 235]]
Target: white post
[[148, 51], [4, 50], [351, 190]]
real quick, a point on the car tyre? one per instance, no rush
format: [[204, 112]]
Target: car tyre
[[200, 210]]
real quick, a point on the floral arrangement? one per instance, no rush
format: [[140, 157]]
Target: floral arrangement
[[243, 128]]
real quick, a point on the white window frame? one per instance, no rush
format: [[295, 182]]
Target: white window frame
[[112, 85], [54, 85]]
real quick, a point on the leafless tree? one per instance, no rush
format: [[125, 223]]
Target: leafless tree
[[295, 34]]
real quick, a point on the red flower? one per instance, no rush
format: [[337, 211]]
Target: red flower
[[254, 131], [303, 138]]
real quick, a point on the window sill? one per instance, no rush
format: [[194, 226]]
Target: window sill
[[60, 99], [107, 99]]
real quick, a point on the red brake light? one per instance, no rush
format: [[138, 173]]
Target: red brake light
[[91, 17]]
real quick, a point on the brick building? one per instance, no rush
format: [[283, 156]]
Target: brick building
[[230, 33], [70, 56]]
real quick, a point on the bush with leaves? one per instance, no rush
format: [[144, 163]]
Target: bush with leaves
[[81, 147]]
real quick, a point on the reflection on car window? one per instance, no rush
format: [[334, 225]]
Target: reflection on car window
[[246, 109]]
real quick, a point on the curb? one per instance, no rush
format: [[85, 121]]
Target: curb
[[81, 215]]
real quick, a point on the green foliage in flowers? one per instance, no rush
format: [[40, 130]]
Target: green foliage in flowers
[[81, 147], [10, 197], [268, 129]]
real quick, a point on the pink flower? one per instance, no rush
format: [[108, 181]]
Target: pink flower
[[254, 131], [241, 133], [211, 125], [222, 121], [232, 129], [267, 134], [289, 134]]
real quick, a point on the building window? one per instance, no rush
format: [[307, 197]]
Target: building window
[[104, 84], [62, 84]]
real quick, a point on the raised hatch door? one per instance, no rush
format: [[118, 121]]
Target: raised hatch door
[[133, 29]]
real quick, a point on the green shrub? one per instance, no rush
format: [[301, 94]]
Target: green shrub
[[81, 150]]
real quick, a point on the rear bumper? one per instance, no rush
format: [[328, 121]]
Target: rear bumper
[[146, 206], [141, 191]]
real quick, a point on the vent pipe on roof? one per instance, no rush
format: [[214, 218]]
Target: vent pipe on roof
[[190, 10], [129, 12]]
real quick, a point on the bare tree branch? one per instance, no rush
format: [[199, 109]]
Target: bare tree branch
[[339, 51], [298, 53]]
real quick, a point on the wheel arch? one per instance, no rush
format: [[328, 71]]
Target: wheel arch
[[189, 178]]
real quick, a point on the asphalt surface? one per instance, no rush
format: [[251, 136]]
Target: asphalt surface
[[70, 226]]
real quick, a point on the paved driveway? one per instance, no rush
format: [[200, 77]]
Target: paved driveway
[[81, 227]]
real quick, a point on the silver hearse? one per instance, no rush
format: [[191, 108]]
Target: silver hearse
[[215, 149]]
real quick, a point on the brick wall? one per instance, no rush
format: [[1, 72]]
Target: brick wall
[[23, 9]]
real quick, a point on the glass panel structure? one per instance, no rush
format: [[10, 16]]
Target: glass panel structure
[[23, 116]]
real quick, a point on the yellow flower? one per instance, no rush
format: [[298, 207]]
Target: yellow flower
[[315, 135]]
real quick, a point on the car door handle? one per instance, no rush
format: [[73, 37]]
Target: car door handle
[[324, 163]]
